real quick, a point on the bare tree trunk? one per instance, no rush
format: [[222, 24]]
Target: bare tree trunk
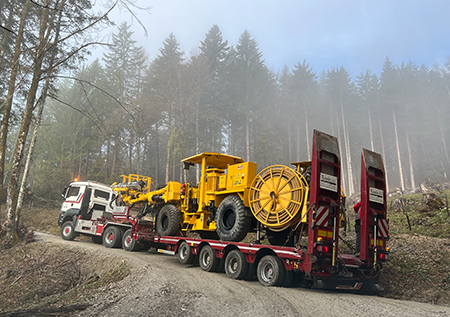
[[370, 129], [157, 153], [400, 170], [350, 168], [344, 175], [411, 170], [10, 96], [168, 157], [298, 144], [384, 153], [443, 140], [308, 144], [197, 141], [247, 130], [8, 26], [347, 151], [12, 194], [289, 141], [37, 124]]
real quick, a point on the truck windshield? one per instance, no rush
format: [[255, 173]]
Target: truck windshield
[[73, 191]]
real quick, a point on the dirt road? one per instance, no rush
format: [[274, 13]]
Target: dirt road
[[160, 286]]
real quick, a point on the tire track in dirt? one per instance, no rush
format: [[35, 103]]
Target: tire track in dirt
[[160, 285]]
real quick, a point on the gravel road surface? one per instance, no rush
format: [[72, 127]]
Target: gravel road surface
[[160, 286]]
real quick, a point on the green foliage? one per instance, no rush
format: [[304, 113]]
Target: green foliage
[[424, 220]]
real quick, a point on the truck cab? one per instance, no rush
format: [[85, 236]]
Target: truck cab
[[85, 201]]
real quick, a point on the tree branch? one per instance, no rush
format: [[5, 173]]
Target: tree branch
[[102, 90], [6, 29], [76, 109]]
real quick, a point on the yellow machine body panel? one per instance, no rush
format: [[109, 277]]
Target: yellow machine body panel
[[173, 190], [241, 175]]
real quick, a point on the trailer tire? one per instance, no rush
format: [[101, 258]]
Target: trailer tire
[[112, 237], [185, 255], [271, 271], [288, 279], [168, 222], [208, 259], [97, 239], [128, 243], [233, 219], [235, 265], [68, 231]]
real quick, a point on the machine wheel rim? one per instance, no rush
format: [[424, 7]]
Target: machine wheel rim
[[164, 222], [229, 219], [233, 265], [128, 241], [183, 252], [267, 272], [206, 259], [109, 237]]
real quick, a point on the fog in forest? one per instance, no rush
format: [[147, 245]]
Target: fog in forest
[[125, 112]]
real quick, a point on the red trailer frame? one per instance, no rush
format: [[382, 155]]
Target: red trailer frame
[[320, 265]]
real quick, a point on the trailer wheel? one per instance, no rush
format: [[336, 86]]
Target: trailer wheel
[[185, 255], [128, 243], [67, 231], [233, 219], [271, 271], [112, 237], [235, 265], [208, 259], [168, 222], [97, 239]]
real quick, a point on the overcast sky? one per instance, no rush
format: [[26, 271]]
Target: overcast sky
[[356, 34]]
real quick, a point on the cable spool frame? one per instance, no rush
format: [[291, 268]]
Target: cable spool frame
[[277, 195]]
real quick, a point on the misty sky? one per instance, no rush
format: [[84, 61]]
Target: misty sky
[[355, 34]]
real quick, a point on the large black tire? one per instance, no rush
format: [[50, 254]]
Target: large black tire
[[112, 237], [168, 222], [67, 231], [128, 243], [279, 238], [185, 255], [233, 219], [235, 265], [208, 260], [97, 239], [271, 271]]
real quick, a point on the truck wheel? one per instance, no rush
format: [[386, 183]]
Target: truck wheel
[[208, 260], [233, 219], [185, 255], [67, 231], [97, 239], [128, 243], [112, 237], [235, 265], [271, 271], [168, 222]]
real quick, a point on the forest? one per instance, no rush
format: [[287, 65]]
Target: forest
[[66, 118]]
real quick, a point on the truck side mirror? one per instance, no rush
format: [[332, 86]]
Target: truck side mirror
[[187, 165], [63, 194]]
